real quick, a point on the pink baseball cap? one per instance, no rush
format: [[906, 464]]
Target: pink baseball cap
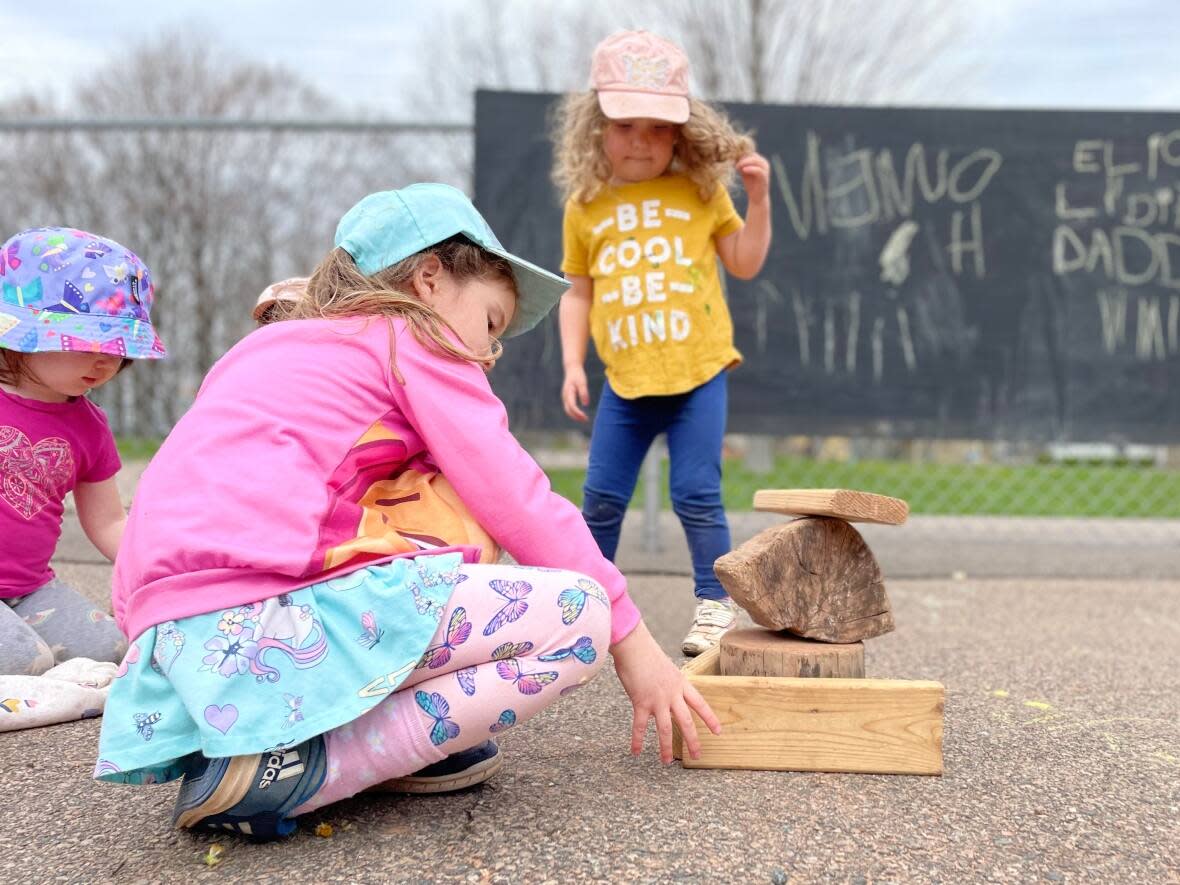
[[637, 74], [290, 289]]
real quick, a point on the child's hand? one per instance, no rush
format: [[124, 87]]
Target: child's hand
[[658, 690], [575, 392], [755, 172]]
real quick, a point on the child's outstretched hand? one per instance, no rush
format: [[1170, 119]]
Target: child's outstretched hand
[[575, 393], [755, 172], [658, 690]]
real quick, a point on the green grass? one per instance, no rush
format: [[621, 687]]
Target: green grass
[[953, 489], [1125, 490], [134, 448]]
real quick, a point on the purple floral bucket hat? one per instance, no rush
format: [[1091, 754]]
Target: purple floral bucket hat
[[65, 289]]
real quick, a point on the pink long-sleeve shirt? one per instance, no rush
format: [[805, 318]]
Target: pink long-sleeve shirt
[[276, 476]]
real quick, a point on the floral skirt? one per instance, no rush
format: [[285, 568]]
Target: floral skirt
[[272, 673]]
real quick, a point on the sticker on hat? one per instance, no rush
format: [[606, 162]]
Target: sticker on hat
[[637, 74]]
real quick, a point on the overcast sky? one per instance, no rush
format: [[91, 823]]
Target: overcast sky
[[1026, 53]]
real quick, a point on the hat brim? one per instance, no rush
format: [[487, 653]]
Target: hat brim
[[537, 291], [30, 330], [632, 105]]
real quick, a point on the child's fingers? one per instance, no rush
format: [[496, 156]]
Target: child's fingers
[[571, 393], [752, 164], [638, 730], [754, 170], [688, 729], [664, 734], [701, 707]]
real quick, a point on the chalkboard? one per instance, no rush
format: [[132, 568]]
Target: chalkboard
[[935, 273]]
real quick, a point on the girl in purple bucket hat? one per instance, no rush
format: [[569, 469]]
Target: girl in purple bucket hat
[[74, 311]]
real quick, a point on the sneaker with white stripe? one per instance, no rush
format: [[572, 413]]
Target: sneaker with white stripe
[[251, 795], [713, 617]]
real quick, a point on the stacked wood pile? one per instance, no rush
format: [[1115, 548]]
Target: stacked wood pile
[[811, 582], [816, 590]]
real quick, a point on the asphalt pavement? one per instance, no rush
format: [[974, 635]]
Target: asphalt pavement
[[1061, 752]]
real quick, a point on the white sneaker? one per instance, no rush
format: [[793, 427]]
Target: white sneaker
[[712, 618]]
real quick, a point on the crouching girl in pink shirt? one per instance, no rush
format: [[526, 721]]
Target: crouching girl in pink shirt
[[295, 639]]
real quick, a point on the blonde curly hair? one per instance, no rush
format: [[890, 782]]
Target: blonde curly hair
[[706, 148], [337, 289]]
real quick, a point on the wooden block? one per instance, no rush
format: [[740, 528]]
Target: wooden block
[[870, 726], [814, 577], [756, 652], [841, 503]]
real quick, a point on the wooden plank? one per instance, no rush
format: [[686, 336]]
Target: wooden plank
[[872, 726], [846, 504], [704, 664]]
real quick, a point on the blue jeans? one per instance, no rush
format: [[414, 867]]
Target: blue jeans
[[623, 432]]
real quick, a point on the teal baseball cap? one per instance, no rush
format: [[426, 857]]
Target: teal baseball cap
[[389, 226]]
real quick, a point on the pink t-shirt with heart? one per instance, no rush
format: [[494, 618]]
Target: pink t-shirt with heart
[[46, 449]]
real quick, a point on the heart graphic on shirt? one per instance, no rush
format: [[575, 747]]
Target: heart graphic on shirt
[[31, 476], [221, 718]]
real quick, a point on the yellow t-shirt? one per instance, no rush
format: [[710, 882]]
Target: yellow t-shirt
[[658, 317]]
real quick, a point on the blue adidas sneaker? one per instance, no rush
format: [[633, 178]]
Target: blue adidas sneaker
[[456, 772], [251, 795]]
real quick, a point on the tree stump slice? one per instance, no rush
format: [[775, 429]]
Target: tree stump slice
[[814, 577], [845, 504], [754, 652]]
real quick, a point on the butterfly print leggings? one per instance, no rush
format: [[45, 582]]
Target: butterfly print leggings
[[511, 641]]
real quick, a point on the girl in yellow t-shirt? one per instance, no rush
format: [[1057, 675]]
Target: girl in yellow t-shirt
[[643, 168]]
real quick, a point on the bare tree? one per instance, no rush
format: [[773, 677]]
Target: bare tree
[[818, 51], [216, 214]]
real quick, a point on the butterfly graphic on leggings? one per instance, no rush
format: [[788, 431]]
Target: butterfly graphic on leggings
[[515, 592], [506, 721], [458, 632], [583, 650], [526, 683], [436, 706], [573, 600], [466, 680], [511, 650]]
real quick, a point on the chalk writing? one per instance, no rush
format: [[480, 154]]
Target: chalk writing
[[861, 187]]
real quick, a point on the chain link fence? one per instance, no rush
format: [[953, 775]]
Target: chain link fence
[[220, 210]]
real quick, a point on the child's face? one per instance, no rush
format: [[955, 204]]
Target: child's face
[[59, 375], [477, 309], [639, 149]]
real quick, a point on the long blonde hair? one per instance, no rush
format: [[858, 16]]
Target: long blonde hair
[[706, 148], [337, 289]]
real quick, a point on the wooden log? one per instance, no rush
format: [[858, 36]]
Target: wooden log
[[845, 504], [813, 577], [755, 652], [877, 726]]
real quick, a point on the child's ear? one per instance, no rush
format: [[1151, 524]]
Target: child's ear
[[427, 277]]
